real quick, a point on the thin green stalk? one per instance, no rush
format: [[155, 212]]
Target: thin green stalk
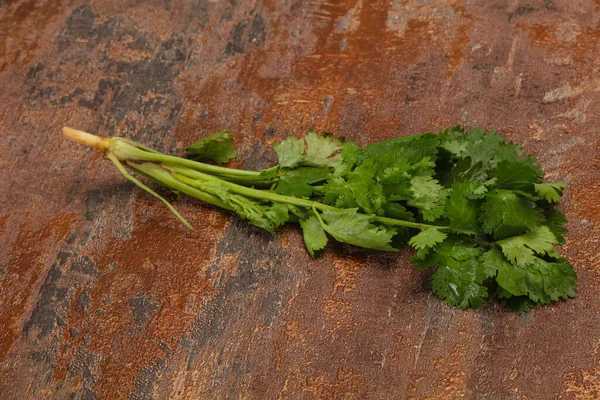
[[191, 177], [408, 224], [128, 150], [123, 171], [165, 178], [248, 192]]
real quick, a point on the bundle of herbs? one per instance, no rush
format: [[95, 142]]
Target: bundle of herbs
[[469, 203]]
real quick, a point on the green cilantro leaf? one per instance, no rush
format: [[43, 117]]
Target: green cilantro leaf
[[454, 141], [521, 250], [338, 193], [290, 152], [505, 214], [312, 150], [428, 196], [314, 235], [410, 148], [556, 221], [351, 156], [349, 226], [486, 148], [218, 148], [297, 182], [323, 150], [425, 259], [519, 304], [359, 189], [397, 211], [480, 191], [551, 192], [515, 280], [560, 280], [278, 214], [425, 240], [366, 190], [460, 275], [541, 281], [462, 212], [396, 185], [516, 174], [456, 283]]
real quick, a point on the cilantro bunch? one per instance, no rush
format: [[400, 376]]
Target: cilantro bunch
[[470, 204]]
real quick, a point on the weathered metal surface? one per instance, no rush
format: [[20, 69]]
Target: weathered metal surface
[[104, 294]]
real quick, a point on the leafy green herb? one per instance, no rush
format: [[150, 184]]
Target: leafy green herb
[[315, 238], [349, 226], [218, 148], [551, 192], [469, 203], [311, 150]]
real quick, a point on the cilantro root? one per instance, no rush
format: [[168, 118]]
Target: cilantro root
[[470, 204]]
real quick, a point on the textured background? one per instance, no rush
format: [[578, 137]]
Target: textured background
[[104, 294]]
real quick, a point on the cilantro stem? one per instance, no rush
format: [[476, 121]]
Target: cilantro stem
[[164, 177], [192, 177], [123, 171], [98, 142], [195, 178], [128, 150], [408, 224]]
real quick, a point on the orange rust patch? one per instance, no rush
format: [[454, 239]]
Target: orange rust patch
[[346, 270], [167, 266], [581, 43], [346, 384], [456, 48], [584, 384], [586, 198], [453, 384], [23, 29]]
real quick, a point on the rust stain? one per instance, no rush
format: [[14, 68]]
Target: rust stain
[[536, 131], [580, 43], [452, 382], [459, 42], [584, 384], [341, 79], [23, 28], [338, 307], [24, 274], [293, 333], [346, 271], [346, 384], [456, 50], [170, 275], [586, 198], [339, 314]]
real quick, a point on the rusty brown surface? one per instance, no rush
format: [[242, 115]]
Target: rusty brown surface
[[104, 295]]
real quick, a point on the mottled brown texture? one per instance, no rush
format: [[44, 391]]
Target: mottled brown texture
[[104, 294]]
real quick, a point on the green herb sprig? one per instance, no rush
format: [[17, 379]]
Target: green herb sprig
[[469, 203]]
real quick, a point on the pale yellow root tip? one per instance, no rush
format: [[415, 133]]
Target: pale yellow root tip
[[100, 143]]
